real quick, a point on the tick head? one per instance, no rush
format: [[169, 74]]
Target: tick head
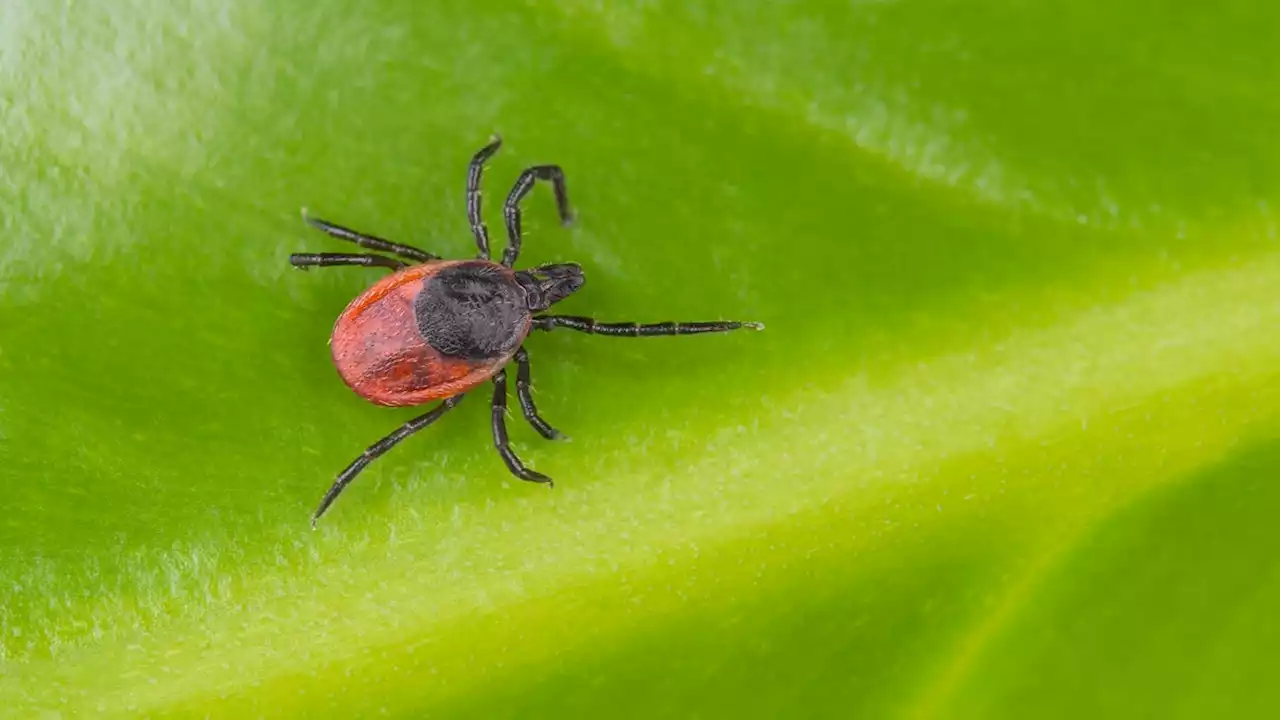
[[547, 285]]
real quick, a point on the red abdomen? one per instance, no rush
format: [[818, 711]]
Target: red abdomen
[[381, 353]]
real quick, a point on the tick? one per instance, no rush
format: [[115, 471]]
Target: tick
[[435, 329]]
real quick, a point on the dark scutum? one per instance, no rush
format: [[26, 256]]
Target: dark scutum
[[472, 311]]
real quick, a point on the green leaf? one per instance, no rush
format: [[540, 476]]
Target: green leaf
[[1004, 450]]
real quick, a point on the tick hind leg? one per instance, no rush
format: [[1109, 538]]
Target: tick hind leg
[[526, 399], [511, 209], [369, 241], [630, 329], [376, 450], [306, 260], [500, 441]]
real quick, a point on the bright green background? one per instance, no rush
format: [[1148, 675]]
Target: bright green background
[[1008, 448]]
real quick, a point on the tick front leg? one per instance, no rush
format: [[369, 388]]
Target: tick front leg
[[368, 241], [511, 209], [500, 441], [526, 399], [630, 329], [306, 260], [379, 448], [474, 171]]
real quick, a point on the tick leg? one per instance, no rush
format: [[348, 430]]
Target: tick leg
[[511, 209], [306, 260], [500, 441], [474, 171], [368, 241], [587, 325], [377, 449], [526, 399]]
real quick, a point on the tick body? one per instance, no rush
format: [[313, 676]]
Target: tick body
[[430, 331], [435, 329]]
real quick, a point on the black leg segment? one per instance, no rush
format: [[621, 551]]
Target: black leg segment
[[511, 209], [526, 398], [500, 441], [590, 326], [306, 260], [368, 241], [377, 449], [474, 171]]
